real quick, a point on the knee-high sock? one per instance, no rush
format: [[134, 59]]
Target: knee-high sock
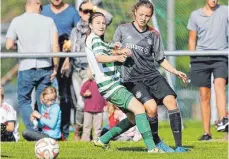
[[144, 128], [175, 123], [153, 121], [120, 128]]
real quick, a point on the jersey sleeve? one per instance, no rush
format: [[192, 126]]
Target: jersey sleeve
[[98, 47], [11, 33], [158, 49], [11, 115], [192, 22]]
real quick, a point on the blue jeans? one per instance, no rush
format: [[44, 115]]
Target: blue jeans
[[27, 80]]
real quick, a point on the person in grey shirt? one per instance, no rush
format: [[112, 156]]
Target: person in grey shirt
[[208, 30], [79, 76], [33, 32]]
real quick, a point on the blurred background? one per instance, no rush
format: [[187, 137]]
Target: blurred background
[[170, 19]]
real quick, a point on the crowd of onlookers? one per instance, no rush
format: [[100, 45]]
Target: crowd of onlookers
[[65, 83]]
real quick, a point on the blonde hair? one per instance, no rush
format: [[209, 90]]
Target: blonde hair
[[49, 90]]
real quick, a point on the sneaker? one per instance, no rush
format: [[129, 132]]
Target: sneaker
[[181, 149], [156, 150], [161, 145], [99, 143], [205, 137], [223, 124]]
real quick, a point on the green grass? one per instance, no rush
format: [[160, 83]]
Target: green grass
[[215, 149]]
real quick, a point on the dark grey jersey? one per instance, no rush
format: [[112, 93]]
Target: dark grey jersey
[[146, 49]]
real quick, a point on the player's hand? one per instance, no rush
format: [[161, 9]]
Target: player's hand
[[181, 75], [121, 58], [67, 45], [126, 51], [117, 45]]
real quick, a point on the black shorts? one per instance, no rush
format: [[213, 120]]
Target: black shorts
[[200, 72], [156, 89]]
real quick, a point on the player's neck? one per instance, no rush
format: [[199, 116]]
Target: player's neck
[[140, 28]]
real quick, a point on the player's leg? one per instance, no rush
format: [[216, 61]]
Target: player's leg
[[163, 93], [221, 79], [141, 92], [125, 99]]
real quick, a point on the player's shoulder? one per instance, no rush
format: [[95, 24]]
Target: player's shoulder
[[153, 30], [223, 7], [125, 25]]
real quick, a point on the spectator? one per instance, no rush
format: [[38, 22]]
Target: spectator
[[205, 34], [103, 65], [8, 120], [65, 17], [93, 109], [79, 76], [38, 35], [49, 119]]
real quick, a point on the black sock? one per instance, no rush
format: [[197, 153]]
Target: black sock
[[175, 123], [153, 122]]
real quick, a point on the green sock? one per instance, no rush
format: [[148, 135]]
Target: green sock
[[144, 128], [120, 128]]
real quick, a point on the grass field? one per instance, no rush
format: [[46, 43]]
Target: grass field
[[215, 149]]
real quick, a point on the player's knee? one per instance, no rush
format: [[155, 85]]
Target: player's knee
[[151, 112], [170, 102]]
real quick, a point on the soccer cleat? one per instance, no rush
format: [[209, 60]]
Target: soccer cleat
[[156, 150], [161, 145], [181, 149], [205, 137], [223, 125], [99, 143]]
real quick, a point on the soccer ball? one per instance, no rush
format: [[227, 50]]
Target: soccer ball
[[46, 148]]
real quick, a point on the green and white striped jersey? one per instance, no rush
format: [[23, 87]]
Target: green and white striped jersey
[[106, 75]]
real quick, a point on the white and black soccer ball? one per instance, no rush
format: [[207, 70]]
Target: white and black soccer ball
[[46, 148]]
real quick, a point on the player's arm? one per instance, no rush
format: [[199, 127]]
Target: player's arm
[[113, 58], [166, 65], [192, 40]]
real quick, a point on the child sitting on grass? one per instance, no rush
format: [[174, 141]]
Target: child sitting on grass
[[49, 119]]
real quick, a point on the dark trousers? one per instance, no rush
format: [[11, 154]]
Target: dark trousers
[[64, 84], [32, 135]]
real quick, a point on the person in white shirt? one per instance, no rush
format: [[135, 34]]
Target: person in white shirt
[[8, 120]]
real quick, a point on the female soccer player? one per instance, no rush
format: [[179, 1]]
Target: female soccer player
[[102, 63], [140, 75]]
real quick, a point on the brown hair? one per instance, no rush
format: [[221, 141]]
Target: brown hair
[[93, 16], [145, 3]]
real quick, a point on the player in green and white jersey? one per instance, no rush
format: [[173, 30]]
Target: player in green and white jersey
[[102, 57]]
